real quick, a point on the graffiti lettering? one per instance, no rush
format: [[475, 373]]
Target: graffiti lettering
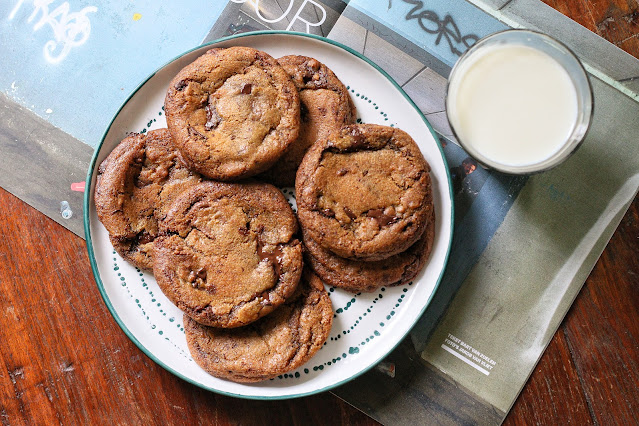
[[69, 29], [445, 28]]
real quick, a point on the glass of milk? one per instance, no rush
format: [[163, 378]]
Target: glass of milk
[[519, 102]]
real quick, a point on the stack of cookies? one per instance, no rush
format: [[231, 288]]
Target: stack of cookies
[[195, 204], [365, 204]]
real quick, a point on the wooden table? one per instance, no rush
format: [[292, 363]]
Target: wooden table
[[63, 359]]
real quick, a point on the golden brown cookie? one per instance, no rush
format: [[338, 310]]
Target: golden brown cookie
[[359, 275], [273, 345], [325, 107], [228, 253], [365, 192], [135, 185], [233, 112]]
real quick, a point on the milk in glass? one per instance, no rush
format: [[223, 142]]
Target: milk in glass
[[512, 104]]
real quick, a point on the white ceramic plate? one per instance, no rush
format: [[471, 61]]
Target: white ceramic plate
[[366, 327]]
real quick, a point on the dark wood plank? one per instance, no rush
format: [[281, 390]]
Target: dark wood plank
[[603, 331], [64, 360], [615, 20]]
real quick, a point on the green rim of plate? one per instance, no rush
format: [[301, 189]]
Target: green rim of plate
[[87, 228]]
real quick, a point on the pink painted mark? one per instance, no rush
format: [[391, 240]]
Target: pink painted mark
[[78, 186]]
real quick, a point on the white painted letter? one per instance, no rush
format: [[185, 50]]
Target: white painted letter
[[308, 24], [271, 21]]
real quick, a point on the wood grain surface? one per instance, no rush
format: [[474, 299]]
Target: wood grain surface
[[615, 20], [64, 360]]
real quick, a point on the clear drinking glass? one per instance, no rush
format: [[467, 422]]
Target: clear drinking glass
[[564, 57]]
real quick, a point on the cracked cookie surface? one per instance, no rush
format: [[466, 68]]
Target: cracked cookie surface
[[233, 112], [135, 186], [325, 107], [228, 254], [365, 192], [273, 345], [358, 275]]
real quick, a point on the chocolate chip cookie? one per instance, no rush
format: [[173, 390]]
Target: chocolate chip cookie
[[135, 185], [325, 107], [273, 345], [358, 275], [365, 192], [228, 253], [233, 112]]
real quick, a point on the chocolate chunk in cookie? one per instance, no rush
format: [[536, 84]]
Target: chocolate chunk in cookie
[[365, 192], [359, 275], [135, 185], [325, 107], [273, 345], [228, 253], [233, 112]]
